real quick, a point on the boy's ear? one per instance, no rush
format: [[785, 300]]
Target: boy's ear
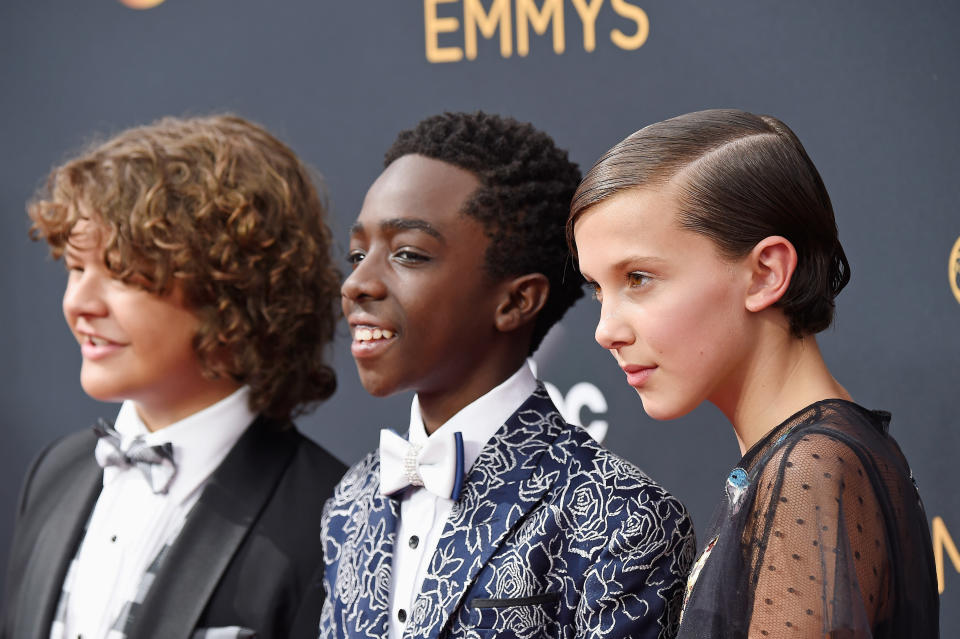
[[523, 298], [772, 263]]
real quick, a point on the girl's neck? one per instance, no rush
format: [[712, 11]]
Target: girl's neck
[[782, 376]]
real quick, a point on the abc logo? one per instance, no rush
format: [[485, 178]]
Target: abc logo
[[954, 269]]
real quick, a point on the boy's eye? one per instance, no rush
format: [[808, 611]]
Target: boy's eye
[[355, 256], [409, 255], [638, 279]]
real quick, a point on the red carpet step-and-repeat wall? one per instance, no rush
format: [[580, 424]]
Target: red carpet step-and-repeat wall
[[872, 89]]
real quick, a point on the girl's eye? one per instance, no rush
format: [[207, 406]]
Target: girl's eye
[[355, 256], [593, 290]]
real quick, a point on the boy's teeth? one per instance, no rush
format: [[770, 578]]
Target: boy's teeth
[[98, 341], [367, 334]]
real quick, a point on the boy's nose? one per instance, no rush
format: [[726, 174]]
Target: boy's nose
[[363, 283], [83, 296]]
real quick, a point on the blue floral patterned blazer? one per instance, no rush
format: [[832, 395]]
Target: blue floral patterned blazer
[[552, 536]]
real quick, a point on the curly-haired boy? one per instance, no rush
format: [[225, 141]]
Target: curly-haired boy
[[201, 291]]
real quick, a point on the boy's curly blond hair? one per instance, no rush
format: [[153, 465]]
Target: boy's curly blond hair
[[226, 212]]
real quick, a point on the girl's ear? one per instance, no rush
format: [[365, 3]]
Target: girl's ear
[[772, 263], [523, 298]]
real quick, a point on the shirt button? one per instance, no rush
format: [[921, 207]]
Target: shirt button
[[402, 615], [414, 541]]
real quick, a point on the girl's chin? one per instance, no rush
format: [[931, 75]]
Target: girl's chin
[[662, 411]]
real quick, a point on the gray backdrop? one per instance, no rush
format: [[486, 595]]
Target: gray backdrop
[[870, 88]]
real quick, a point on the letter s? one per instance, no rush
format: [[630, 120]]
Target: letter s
[[638, 15]]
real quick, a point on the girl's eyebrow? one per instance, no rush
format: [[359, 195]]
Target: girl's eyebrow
[[646, 259]]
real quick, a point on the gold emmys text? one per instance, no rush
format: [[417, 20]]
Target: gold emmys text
[[943, 542], [526, 15]]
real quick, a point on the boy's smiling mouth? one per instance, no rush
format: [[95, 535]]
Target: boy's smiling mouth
[[87, 337], [94, 347], [371, 333], [370, 341]]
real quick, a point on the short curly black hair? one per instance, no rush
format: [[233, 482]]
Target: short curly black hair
[[526, 187]]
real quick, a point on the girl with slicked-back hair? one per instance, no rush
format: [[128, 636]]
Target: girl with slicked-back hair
[[710, 242]]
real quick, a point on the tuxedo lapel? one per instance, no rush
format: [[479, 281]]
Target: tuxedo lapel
[[360, 532], [57, 535], [506, 482], [377, 550], [215, 528]]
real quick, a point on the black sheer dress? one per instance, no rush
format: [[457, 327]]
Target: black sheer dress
[[821, 534]]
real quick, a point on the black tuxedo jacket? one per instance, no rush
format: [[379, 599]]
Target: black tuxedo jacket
[[248, 556]]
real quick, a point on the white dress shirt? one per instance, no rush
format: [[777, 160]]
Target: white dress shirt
[[130, 524], [422, 514]]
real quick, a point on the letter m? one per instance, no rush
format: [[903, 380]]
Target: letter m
[[541, 18], [475, 17]]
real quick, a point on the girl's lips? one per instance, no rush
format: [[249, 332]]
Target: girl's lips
[[637, 376]]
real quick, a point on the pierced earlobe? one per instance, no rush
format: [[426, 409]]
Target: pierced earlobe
[[772, 261]]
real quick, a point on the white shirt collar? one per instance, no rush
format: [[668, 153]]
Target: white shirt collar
[[479, 420], [200, 441]]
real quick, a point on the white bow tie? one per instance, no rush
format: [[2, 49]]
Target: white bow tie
[[437, 465]]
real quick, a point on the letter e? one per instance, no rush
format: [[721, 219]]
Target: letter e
[[433, 26]]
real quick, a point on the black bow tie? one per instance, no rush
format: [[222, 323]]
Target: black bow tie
[[154, 462]]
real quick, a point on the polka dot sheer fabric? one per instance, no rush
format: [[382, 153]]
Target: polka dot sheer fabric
[[821, 533]]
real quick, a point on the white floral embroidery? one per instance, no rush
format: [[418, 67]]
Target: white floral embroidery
[[568, 539]]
